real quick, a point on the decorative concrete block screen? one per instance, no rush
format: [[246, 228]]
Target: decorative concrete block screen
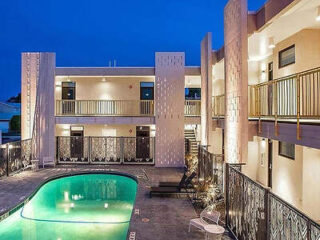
[[169, 94], [236, 80]]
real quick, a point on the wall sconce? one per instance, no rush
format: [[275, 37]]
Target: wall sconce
[[318, 14], [68, 79], [271, 43], [103, 79], [263, 145]]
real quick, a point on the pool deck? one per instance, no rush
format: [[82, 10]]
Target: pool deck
[[158, 218]]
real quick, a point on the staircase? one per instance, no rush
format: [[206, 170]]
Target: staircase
[[190, 135]]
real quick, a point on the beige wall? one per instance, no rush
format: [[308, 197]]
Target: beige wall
[[218, 78], [216, 141], [311, 181], [114, 88], [102, 130]]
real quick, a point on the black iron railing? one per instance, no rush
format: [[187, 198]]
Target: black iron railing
[[253, 212], [105, 150], [15, 156]]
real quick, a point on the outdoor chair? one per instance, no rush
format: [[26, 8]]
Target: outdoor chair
[[48, 161], [174, 184], [207, 216], [181, 189]]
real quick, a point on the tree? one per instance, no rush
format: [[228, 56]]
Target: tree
[[16, 99], [15, 123]]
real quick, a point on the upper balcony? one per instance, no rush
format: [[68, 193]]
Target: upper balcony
[[291, 98], [114, 96]]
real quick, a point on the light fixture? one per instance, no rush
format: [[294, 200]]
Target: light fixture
[[318, 14], [106, 205], [68, 79], [103, 79], [271, 43], [66, 196], [72, 205]]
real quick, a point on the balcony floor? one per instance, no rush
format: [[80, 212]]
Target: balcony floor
[[168, 217]]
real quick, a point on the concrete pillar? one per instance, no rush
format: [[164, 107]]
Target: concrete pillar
[[169, 109], [38, 74], [236, 81], [206, 90]]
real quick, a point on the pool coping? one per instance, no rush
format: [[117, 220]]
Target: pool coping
[[23, 202]]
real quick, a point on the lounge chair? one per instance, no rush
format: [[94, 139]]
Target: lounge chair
[[174, 184], [207, 216], [181, 189]]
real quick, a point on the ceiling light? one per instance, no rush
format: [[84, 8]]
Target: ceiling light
[[318, 14], [271, 43]]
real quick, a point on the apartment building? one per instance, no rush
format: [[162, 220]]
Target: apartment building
[[266, 97], [110, 115]]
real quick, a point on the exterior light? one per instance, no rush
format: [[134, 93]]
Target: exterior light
[[104, 79], [66, 196], [106, 205], [10, 146], [271, 43], [318, 14], [72, 205], [68, 79]]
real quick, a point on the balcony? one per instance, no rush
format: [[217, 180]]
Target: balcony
[[294, 97], [117, 108], [104, 108]]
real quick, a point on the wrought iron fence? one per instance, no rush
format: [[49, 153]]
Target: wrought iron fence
[[255, 213], [15, 156], [104, 107], [192, 108], [210, 167], [105, 150]]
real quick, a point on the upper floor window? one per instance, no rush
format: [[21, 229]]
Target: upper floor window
[[146, 90], [287, 150], [192, 93], [287, 56], [68, 91]]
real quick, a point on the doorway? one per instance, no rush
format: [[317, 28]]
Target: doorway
[[146, 95], [270, 152], [76, 142], [143, 142], [68, 94]]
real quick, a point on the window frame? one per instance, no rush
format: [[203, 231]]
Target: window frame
[[284, 50], [286, 155]]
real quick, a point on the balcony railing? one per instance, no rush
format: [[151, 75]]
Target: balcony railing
[[105, 150], [296, 96], [192, 108], [218, 106], [104, 108]]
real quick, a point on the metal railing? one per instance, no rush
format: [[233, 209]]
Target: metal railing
[[192, 108], [104, 108], [210, 167], [15, 156], [105, 150], [253, 212], [218, 106]]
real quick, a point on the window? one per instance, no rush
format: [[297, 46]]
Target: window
[[146, 90], [287, 56], [192, 93], [68, 91], [287, 150], [270, 71]]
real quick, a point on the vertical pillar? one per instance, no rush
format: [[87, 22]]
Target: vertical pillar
[[206, 89], [236, 81], [38, 74], [169, 106]]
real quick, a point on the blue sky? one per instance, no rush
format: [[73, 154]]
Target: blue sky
[[92, 32]]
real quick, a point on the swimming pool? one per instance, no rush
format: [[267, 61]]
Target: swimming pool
[[86, 206]]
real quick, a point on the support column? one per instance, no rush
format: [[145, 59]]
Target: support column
[[206, 89], [169, 109], [38, 74], [236, 81]]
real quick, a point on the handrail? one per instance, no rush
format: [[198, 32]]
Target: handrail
[[192, 107]]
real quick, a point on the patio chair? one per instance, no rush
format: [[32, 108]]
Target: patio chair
[[207, 216], [48, 161], [181, 189], [174, 184]]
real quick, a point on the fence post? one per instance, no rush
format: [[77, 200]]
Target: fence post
[[267, 213], [227, 193]]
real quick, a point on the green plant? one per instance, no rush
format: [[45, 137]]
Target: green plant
[[15, 123]]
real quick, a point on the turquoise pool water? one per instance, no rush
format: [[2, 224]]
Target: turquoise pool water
[[88, 206]]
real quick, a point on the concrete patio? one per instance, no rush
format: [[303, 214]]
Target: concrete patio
[[158, 218]]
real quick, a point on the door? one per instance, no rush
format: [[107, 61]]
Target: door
[[146, 96], [143, 142], [76, 143], [69, 95], [270, 89], [270, 163]]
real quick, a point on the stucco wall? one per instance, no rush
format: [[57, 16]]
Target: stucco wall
[[114, 88], [216, 141]]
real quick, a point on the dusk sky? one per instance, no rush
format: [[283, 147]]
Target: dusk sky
[[92, 32]]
